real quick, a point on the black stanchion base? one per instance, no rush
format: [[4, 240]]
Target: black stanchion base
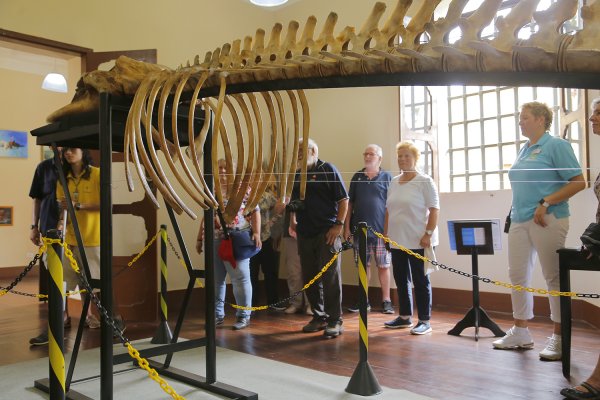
[[44, 385], [228, 391], [363, 381], [163, 334], [470, 320]]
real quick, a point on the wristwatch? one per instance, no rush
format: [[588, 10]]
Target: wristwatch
[[544, 203], [429, 232], [78, 206], [338, 222]]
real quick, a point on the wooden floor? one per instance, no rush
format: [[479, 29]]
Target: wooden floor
[[435, 365]]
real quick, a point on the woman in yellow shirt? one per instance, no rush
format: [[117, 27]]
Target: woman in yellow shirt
[[83, 181]]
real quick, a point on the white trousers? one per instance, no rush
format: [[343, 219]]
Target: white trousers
[[526, 242]]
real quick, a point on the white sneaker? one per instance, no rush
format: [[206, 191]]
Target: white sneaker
[[553, 349], [514, 340]]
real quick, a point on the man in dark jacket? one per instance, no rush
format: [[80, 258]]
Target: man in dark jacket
[[319, 225]]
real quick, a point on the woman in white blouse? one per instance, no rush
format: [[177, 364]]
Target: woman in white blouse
[[411, 216]]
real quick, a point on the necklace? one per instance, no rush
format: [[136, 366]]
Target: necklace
[[76, 191]]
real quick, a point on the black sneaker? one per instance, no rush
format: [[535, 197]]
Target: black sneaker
[[241, 323], [388, 308], [39, 340], [219, 321], [354, 308], [333, 329], [399, 323], [315, 325]]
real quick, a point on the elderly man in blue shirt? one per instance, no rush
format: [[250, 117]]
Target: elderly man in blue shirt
[[368, 194]]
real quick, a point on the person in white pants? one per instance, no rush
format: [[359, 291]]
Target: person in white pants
[[543, 178]]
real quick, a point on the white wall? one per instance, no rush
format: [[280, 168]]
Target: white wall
[[343, 121], [24, 106]]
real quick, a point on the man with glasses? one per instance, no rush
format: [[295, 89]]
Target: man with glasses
[[368, 194]]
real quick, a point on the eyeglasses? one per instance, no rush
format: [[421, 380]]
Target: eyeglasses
[[370, 154]]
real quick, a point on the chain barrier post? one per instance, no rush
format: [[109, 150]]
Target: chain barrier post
[[56, 329], [163, 334], [363, 381]]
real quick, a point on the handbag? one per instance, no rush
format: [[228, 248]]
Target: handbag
[[591, 239], [243, 245]]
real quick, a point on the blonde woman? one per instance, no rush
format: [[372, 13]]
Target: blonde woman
[[267, 259], [543, 178], [411, 216]]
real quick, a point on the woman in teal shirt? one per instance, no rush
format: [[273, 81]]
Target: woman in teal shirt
[[543, 178]]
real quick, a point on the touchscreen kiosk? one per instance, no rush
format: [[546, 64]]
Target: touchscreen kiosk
[[475, 237], [466, 235]]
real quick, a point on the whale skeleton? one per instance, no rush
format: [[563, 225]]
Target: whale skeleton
[[260, 117]]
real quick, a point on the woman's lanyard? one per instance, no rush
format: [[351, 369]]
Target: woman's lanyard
[[76, 191]]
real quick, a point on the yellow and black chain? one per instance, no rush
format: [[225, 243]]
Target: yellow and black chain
[[280, 302], [181, 261], [18, 279], [142, 362], [36, 258], [141, 253], [44, 296], [137, 256], [507, 285]]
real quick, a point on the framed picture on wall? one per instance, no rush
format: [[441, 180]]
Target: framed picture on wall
[[13, 144], [6, 215]]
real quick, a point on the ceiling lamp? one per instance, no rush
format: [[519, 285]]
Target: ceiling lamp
[[268, 3], [55, 83]]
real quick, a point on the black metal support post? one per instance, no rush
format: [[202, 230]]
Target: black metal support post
[[476, 316], [44, 383], [209, 263]]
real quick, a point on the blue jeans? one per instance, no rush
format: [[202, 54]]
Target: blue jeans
[[240, 280], [407, 270]]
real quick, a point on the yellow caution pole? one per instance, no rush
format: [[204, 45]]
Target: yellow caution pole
[[163, 334], [363, 381], [56, 331]]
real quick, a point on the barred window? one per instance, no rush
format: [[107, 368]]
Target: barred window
[[469, 136], [416, 124], [479, 137]]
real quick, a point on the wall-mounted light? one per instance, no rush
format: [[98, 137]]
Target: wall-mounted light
[[55, 83], [268, 3]]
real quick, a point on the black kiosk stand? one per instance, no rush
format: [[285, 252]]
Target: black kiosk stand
[[474, 237]]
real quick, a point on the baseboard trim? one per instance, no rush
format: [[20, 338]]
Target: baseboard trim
[[10, 273]]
